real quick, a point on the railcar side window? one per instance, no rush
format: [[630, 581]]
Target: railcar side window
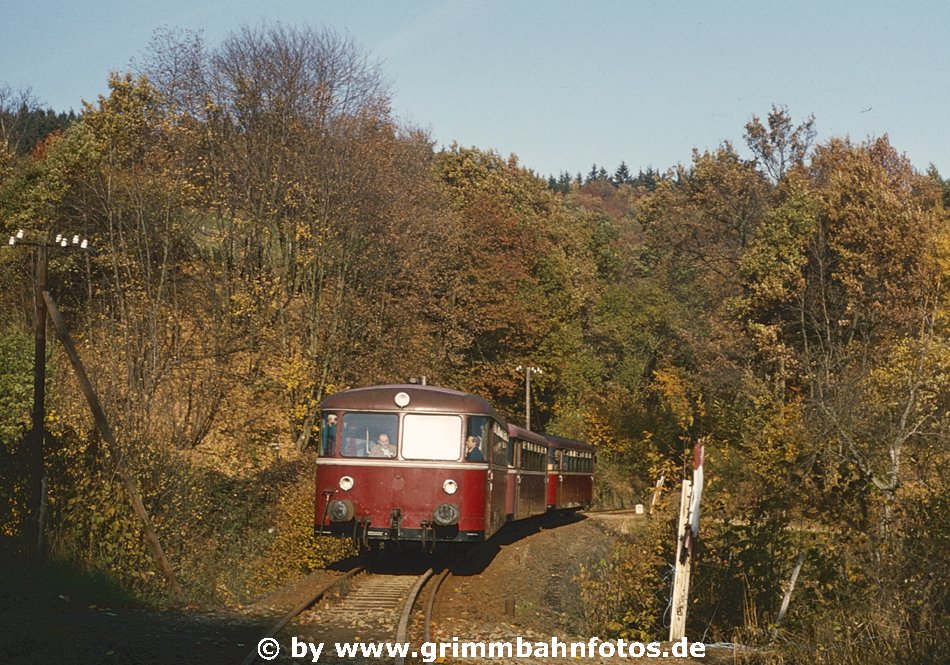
[[431, 437], [500, 442], [328, 434], [577, 461], [479, 431], [369, 435], [532, 456], [588, 463]]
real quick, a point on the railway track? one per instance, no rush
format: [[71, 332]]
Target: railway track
[[360, 606], [378, 606]]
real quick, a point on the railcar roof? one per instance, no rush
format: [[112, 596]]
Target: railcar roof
[[526, 435], [421, 398], [561, 442]]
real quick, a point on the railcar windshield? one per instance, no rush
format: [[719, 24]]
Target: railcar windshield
[[369, 435], [431, 436]]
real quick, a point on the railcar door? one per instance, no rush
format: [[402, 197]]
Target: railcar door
[[486, 443], [511, 481], [555, 479], [497, 476]]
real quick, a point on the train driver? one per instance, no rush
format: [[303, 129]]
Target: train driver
[[473, 451], [382, 447], [328, 434]]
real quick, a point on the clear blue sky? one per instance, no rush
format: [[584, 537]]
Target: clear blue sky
[[562, 84]]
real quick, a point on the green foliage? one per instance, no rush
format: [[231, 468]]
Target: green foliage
[[16, 386], [16, 392], [291, 548], [91, 521], [230, 539]]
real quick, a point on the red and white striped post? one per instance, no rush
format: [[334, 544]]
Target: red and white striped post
[[687, 531]]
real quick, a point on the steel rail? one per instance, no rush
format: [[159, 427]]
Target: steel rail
[[254, 656], [403, 629], [430, 603]]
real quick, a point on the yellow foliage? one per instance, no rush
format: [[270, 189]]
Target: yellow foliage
[[601, 435], [672, 384], [293, 549]]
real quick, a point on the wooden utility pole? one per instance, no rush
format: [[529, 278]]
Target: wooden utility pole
[[528, 371], [102, 424], [38, 430], [35, 526]]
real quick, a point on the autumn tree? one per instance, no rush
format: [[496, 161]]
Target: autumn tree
[[705, 215], [780, 145], [520, 280], [321, 209], [846, 285], [844, 300]]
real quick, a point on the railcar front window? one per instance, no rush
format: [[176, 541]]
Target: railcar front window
[[431, 437], [369, 435]]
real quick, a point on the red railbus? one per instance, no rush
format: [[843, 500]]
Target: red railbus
[[411, 463], [570, 473]]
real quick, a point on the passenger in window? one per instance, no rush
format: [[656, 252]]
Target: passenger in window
[[382, 447], [328, 435], [473, 451]]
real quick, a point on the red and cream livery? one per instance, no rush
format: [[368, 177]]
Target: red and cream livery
[[427, 464]]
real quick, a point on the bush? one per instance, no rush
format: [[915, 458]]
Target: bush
[[228, 539], [625, 594], [16, 393]]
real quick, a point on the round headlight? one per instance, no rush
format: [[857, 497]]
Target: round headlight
[[450, 486], [446, 514], [346, 483], [341, 511]]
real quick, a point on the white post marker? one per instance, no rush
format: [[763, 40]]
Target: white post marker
[[687, 538], [656, 491], [681, 574], [699, 454]]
